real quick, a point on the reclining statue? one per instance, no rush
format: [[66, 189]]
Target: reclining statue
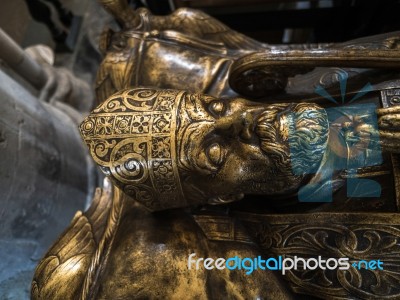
[[171, 153]]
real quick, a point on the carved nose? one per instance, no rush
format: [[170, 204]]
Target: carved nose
[[238, 125]]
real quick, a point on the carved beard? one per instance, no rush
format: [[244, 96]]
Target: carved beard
[[294, 137]]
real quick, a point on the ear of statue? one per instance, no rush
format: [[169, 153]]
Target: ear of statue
[[225, 199]]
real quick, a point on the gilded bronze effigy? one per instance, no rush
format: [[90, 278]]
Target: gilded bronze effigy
[[215, 144]]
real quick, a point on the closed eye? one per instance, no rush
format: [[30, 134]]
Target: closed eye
[[216, 154], [217, 108]]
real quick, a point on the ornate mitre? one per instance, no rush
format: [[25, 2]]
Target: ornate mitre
[[132, 137]]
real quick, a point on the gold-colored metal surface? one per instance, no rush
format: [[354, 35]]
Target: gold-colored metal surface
[[206, 56], [362, 236], [119, 250], [169, 148], [171, 132]]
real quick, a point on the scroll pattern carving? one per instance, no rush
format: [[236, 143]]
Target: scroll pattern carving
[[131, 135], [362, 241]]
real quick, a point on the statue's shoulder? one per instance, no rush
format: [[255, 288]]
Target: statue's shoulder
[[66, 270]]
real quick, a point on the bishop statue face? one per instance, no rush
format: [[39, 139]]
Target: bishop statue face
[[169, 148]]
